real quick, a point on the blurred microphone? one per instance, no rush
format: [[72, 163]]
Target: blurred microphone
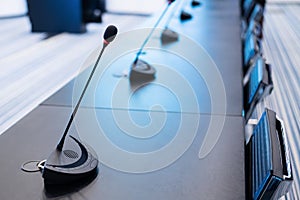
[[141, 70], [168, 35]]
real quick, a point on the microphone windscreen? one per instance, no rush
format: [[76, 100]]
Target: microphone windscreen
[[110, 33]]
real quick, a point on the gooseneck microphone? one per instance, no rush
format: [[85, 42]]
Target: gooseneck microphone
[[156, 24], [141, 70], [168, 35], [109, 35], [72, 160]]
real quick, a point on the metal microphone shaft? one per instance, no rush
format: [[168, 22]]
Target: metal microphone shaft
[[147, 39], [109, 35], [61, 143], [171, 15]]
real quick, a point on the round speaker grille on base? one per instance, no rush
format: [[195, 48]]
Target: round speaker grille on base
[[71, 154]]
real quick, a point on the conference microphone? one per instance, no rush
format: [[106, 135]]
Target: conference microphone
[[168, 35], [141, 70], [72, 160], [185, 15]]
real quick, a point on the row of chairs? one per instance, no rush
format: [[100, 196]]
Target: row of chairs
[[54, 16], [267, 156], [257, 73]]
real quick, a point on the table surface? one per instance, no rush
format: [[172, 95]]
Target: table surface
[[180, 136]]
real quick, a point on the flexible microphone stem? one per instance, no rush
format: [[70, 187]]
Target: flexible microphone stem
[[61, 142], [147, 39], [171, 15]]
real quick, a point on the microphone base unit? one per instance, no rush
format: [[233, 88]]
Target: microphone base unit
[[141, 71], [169, 36], [185, 16], [75, 162]]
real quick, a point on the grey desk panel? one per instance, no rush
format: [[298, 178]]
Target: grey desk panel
[[178, 87], [216, 26], [219, 175]]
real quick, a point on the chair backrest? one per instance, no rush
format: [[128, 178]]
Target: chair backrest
[[252, 49], [258, 86], [248, 6], [269, 169]]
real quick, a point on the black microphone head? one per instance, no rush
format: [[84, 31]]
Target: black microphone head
[[110, 33], [170, 1]]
